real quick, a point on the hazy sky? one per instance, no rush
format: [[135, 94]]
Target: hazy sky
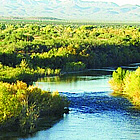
[[120, 2]]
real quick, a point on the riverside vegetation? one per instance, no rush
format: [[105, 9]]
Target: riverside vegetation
[[127, 84], [29, 51], [22, 105]]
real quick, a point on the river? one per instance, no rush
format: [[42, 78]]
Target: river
[[94, 113]]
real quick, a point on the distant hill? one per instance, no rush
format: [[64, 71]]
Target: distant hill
[[70, 9]]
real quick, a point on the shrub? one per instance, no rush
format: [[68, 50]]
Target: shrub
[[117, 82], [128, 84], [23, 105], [75, 66]]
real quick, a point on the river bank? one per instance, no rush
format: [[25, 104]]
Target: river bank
[[94, 113], [82, 92], [22, 106], [127, 84]]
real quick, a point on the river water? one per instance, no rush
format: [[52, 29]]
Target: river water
[[94, 113]]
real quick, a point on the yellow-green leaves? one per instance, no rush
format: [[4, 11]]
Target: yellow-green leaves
[[128, 84], [23, 105]]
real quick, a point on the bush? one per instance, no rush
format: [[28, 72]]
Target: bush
[[24, 73], [117, 82], [128, 84], [75, 66], [22, 105]]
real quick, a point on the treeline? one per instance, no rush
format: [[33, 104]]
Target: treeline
[[127, 84], [60, 46]]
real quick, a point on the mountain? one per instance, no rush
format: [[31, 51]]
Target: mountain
[[70, 10]]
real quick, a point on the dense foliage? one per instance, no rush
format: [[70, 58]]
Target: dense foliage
[[24, 73], [60, 46], [21, 106], [127, 83], [30, 51]]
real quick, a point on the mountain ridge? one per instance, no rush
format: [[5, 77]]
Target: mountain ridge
[[70, 10]]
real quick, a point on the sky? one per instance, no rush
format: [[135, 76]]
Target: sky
[[120, 2]]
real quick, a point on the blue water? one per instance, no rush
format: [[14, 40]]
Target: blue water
[[94, 115]]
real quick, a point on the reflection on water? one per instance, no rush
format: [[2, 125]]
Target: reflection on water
[[93, 81]]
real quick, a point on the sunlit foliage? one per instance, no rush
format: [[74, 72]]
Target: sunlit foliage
[[21, 105], [54, 46], [127, 83]]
